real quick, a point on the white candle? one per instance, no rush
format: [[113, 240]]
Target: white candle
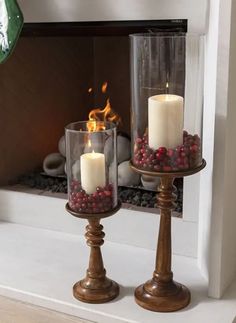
[[92, 171], [165, 121]]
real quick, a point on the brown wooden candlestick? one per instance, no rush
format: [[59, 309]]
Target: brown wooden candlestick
[[162, 293], [95, 287]]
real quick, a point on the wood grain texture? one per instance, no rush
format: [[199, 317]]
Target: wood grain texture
[[161, 293], [95, 287], [12, 311]]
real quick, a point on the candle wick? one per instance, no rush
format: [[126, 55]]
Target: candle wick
[[167, 87]]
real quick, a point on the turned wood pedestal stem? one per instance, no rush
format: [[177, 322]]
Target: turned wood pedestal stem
[[162, 293], [95, 287]]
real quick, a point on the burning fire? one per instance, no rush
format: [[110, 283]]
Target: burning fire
[[106, 114]]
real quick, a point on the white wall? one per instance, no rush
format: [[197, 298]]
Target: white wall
[[205, 199], [228, 272], [217, 225]]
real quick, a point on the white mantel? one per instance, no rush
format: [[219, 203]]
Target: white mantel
[[195, 11]]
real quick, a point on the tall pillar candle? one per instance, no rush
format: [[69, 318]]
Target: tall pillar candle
[[165, 121], [92, 171]]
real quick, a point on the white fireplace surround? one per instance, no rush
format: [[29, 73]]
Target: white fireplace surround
[[207, 230]]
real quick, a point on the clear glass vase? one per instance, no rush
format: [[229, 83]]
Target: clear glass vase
[[91, 166], [167, 101]]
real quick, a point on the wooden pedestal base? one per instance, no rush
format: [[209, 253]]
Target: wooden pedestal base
[[161, 293], [95, 287], [86, 291], [175, 297]]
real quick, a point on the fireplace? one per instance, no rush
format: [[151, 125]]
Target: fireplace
[[55, 77]]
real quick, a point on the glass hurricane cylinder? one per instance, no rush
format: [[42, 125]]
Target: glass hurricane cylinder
[[91, 166], [167, 101]]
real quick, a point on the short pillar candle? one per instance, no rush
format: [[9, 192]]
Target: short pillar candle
[[92, 171]]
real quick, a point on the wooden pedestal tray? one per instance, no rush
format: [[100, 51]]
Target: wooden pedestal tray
[[95, 287], [162, 293]]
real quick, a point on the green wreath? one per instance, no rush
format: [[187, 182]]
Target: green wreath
[[11, 22]]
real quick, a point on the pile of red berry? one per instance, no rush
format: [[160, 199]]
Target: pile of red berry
[[98, 202], [186, 156]]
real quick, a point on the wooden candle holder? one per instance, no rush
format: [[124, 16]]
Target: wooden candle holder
[[162, 293], [95, 287]]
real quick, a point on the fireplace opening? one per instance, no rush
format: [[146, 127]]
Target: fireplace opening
[[47, 83]]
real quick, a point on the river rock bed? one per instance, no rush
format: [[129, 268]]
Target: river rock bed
[[137, 196]]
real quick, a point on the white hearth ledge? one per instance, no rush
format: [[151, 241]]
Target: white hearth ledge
[[39, 266], [126, 226]]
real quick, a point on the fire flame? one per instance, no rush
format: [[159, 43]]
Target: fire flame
[[106, 114], [104, 87]]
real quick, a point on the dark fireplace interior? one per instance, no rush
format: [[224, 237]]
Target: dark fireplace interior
[[44, 86]]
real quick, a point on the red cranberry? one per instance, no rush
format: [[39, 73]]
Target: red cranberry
[[90, 198], [170, 152], [79, 195], [178, 149], [108, 193], [157, 168], [95, 196], [185, 160], [194, 148], [151, 157], [101, 195], [167, 168], [154, 162], [187, 149], [178, 161], [162, 150], [160, 156], [139, 140]]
